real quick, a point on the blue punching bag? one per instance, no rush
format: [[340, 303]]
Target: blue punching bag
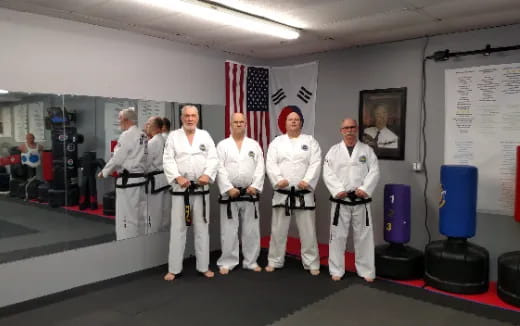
[[397, 213], [458, 205]]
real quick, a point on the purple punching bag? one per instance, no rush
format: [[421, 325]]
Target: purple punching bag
[[397, 213]]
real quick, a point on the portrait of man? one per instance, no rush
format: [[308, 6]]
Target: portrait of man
[[382, 121]]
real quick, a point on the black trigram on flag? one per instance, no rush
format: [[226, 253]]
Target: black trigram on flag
[[278, 96], [304, 94]]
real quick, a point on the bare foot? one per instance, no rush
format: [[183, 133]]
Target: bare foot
[[169, 277], [257, 269], [208, 274], [336, 278], [369, 279], [223, 271], [269, 268], [315, 272]]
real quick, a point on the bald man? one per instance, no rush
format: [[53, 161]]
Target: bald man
[[351, 174], [129, 160], [240, 180], [190, 164], [293, 167]]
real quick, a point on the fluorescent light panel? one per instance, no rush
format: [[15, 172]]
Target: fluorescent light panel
[[226, 16], [3, 91]]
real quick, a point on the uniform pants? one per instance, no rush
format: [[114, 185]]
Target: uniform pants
[[157, 217], [178, 231], [130, 212], [306, 222], [363, 240], [243, 213]]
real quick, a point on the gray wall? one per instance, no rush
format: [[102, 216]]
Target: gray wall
[[342, 74]]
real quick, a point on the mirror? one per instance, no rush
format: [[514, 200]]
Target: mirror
[[50, 199]]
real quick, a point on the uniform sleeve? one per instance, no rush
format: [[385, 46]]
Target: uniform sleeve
[[332, 181], [271, 165], [224, 185], [212, 163], [371, 179], [259, 176], [171, 171], [120, 154], [312, 175]]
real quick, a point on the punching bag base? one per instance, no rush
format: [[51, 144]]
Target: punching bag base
[[399, 262], [43, 192], [508, 286], [109, 203], [457, 266]]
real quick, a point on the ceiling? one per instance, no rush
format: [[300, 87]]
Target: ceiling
[[326, 24]]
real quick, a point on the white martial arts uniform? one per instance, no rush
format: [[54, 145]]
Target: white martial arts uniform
[[294, 159], [385, 139], [345, 172], [190, 161], [158, 195], [240, 169], [129, 155]]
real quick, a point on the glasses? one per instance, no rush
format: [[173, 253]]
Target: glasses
[[348, 127]]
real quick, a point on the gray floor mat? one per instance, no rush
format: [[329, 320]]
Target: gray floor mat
[[8, 229], [364, 305]]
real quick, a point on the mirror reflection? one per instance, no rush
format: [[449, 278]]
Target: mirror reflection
[[52, 150]]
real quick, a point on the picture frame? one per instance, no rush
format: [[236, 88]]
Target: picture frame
[[382, 121], [198, 106]]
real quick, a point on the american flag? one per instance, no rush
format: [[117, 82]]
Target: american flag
[[247, 92]]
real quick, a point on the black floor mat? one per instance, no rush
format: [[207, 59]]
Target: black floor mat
[[8, 229]]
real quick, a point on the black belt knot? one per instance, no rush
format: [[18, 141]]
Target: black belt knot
[[125, 175], [290, 201], [351, 200], [192, 190], [244, 196]]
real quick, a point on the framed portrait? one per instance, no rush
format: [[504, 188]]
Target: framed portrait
[[382, 117], [198, 106]]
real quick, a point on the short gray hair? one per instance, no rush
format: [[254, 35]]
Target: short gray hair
[[189, 106], [129, 114]]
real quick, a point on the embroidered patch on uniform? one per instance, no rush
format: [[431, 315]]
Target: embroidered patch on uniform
[[202, 147], [363, 159], [305, 147], [251, 154]]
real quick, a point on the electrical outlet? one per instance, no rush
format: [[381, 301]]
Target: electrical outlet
[[417, 166]]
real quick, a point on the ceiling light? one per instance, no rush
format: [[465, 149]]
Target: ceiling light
[[3, 91], [228, 16]]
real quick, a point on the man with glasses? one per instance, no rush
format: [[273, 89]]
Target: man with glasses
[[240, 180], [293, 167], [351, 173]]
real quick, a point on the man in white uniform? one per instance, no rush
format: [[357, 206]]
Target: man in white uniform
[[351, 173], [240, 180], [380, 136], [129, 160], [190, 163], [159, 199], [293, 167]]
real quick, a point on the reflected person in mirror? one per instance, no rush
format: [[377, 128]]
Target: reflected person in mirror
[[159, 201], [351, 173], [30, 154], [129, 160], [240, 180], [190, 164]]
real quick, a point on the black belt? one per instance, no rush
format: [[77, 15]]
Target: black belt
[[353, 201], [290, 201], [127, 175], [191, 190], [244, 196], [151, 180]]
